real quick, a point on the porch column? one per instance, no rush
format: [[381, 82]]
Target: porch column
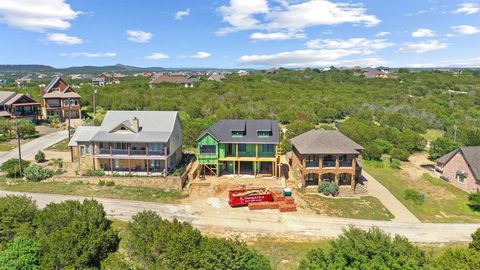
[[239, 167], [256, 151], [337, 162], [93, 156], [129, 163], [354, 173], [234, 165], [255, 169], [236, 150], [148, 162], [273, 168], [111, 160], [337, 178], [320, 163]]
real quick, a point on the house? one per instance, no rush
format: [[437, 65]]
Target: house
[[461, 168], [187, 83], [217, 77], [240, 147], [18, 105], [326, 155], [98, 81], [130, 142], [60, 99], [371, 73], [243, 73]]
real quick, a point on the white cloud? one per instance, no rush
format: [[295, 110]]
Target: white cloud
[[90, 54], [467, 8], [382, 34], [61, 38], [301, 58], [276, 36], [139, 36], [352, 43], [157, 56], [240, 14], [422, 47], [37, 15], [423, 32], [201, 55], [466, 29], [256, 14], [182, 13]]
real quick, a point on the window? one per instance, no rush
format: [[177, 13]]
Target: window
[[237, 133], [208, 149], [268, 148], [116, 164], [242, 147], [311, 158], [461, 176], [264, 134]]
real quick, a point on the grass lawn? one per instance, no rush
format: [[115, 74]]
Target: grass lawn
[[61, 146], [432, 134], [443, 202], [366, 207], [81, 189], [12, 144]]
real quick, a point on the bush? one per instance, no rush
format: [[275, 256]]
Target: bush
[[414, 196], [16, 217], [373, 151], [58, 163], [10, 167], [328, 188], [40, 157], [26, 128], [22, 253], [475, 244], [37, 173], [474, 201], [372, 249], [110, 184], [400, 154], [101, 183], [98, 172], [440, 147]]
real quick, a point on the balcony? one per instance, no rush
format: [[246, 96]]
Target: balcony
[[346, 164], [328, 164], [312, 164], [266, 154], [124, 152]]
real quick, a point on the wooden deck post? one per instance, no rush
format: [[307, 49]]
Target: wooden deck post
[[239, 167], [256, 151], [354, 174], [93, 157], [111, 160], [148, 162], [236, 150]]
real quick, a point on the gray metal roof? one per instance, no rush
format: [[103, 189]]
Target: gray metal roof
[[471, 155], [51, 83], [6, 96], [155, 126], [222, 131], [321, 141], [83, 134]]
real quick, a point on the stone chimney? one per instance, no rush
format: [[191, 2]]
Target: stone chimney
[[136, 124]]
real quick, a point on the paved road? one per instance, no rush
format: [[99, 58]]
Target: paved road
[[31, 148], [269, 222], [398, 210]]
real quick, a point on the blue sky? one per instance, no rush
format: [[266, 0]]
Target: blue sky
[[240, 33]]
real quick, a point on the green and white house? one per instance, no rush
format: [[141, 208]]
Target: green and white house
[[240, 147]]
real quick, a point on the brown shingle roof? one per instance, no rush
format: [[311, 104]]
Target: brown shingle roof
[[171, 79], [471, 155], [320, 141], [61, 95]]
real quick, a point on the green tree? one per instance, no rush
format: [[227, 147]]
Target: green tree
[[373, 249], [155, 243], [40, 157], [298, 127], [21, 254], [373, 151], [26, 128], [459, 258], [475, 244], [74, 235], [441, 146], [11, 168], [17, 214]]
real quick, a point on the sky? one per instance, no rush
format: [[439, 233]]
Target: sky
[[241, 33]]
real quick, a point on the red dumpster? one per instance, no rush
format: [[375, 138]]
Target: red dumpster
[[242, 197]]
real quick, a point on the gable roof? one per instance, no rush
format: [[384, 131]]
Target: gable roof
[[52, 83], [471, 155], [222, 131], [171, 79], [321, 141], [8, 98], [83, 134], [155, 126]]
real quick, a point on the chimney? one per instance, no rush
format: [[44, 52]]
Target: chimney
[[136, 124], [42, 89]]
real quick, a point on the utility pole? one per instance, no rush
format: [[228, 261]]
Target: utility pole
[[20, 166], [69, 116], [94, 102]]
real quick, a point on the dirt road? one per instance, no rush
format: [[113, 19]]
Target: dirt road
[[244, 223]]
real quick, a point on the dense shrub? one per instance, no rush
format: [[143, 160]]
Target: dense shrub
[[110, 183], [475, 244], [414, 196], [37, 173], [40, 157], [328, 188], [98, 172], [155, 243], [372, 249], [372, 151], [11, 168], [26, 128], [440, 147], [474, 201], [16, 217], [22, 254]]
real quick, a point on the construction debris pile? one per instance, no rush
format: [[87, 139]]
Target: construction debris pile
[[280, 202]]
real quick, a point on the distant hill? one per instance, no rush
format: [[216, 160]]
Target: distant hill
[[81, 69]]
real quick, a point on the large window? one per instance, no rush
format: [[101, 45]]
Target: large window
[[268, 148], [208, 149], [242, 147]]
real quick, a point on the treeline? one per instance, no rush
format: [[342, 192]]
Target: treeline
[[77, 235], [8, 130]]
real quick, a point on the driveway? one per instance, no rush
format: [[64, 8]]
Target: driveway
[[398, 210], [224, 220], [31, 148]]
